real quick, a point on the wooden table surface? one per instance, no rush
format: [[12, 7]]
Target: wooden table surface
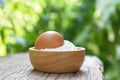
[[18, 67]]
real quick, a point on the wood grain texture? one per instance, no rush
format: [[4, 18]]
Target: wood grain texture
[[18, 67], [57, 61]]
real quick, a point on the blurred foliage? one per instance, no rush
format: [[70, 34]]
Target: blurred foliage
[[2, 3], [21, 21]]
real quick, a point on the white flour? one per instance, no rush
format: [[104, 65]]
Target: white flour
[[68, 46]]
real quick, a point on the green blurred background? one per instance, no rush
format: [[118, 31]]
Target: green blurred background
[[93, 24]]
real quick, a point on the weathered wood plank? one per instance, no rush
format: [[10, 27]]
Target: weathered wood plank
[[18, 67]]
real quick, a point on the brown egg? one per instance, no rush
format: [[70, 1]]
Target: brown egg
[[49, 39]]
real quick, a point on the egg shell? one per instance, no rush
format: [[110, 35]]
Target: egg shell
[[49, 39]]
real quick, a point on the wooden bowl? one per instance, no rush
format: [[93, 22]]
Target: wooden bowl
[[57, 61]]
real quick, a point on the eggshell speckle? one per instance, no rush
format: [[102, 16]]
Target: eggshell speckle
[[49, 39]]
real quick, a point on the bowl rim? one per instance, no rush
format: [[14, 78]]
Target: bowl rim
[[38, 50]]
